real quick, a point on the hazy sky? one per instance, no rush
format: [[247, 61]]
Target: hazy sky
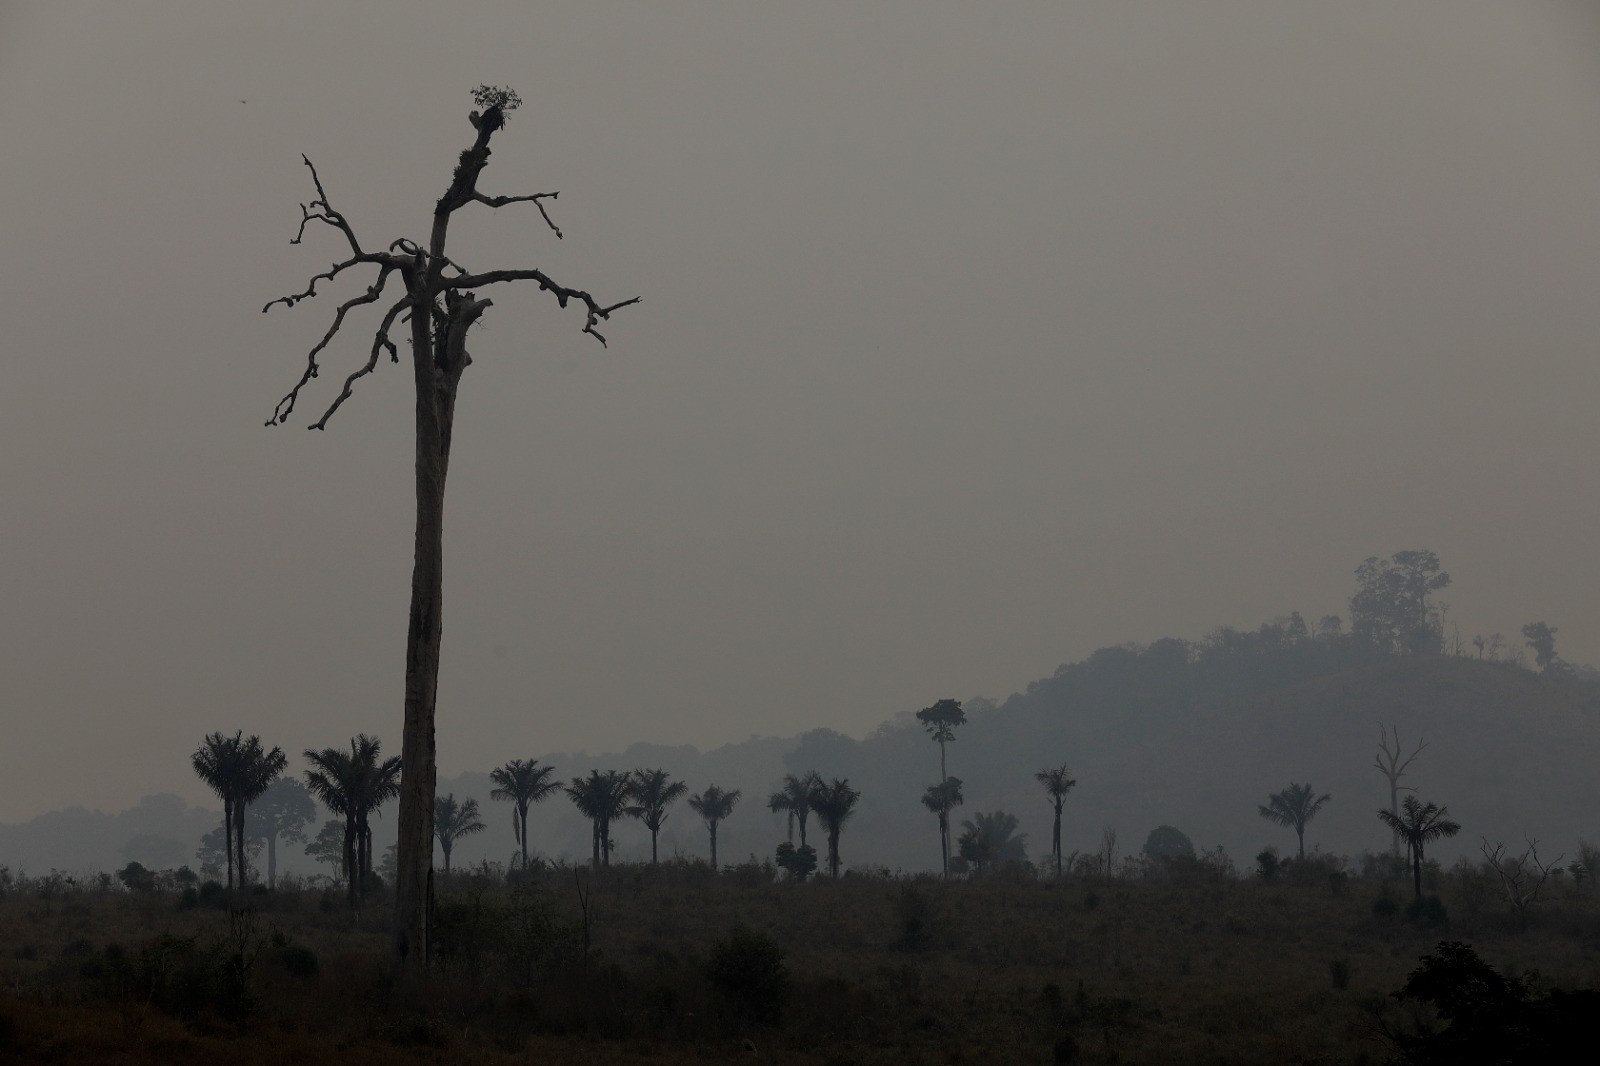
[[974, 337]]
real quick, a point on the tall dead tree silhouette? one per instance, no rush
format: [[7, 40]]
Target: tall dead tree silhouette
[[440, 303], [1393, 767]]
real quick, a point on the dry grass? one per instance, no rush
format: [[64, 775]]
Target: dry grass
[[1188, 966]]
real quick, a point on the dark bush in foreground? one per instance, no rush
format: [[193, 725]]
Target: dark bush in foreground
[[747, 970]]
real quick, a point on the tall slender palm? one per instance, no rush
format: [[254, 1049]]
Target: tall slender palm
[[941, 799], [713, 805], [452, 821], [941, 720], [795, 798], [215, 761], [352, 785], [522, 782], [256, 770], [602, 798], [1419, 823], [1057, 783], [1293, 808], [653, 793], [834, 804]]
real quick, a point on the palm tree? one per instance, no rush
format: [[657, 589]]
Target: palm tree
[[941, 720], [1057, 783], [991, 840], [1419, 823], [602, 798], [795, 798], [1293, 808], [353, 784], [522, 782], [941, 799], [452, 821], [257, 768], [713, 805], [215, 762], [653, 793], [834, 804]]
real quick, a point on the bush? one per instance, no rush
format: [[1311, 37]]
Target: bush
[[1429, 909], [913, 915], [747, 970], [1267, 864], [1385, 907], [800, 862], [137, 878]]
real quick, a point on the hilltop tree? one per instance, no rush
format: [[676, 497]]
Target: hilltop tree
[[713, 805], [941, 720], [522, 782], [1057, 783], [1391, 766], [795, 799], [653, 792], [353, 784], [1293, 808], [602, 798], [281, 813], [941, 799], [991, 840], [1541, 637], [834, 805], [440, 302], [1390, 611], [1419, 823], [452, 821]]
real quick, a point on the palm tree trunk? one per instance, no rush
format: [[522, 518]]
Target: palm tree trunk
[[1416, 868], [653, 860], [522, 831], [596, 831], [1300, 832], [1055, 841], [833, 852], [352, 863], [227, 837], [238, 840], [944, 843], [713, 829]]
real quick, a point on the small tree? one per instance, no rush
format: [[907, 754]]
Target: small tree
[[1057, 783], [713, 805], [1542, 639], [1293, 808], [941, 799], [800, 862], [452, 821], [1522, 877], [440, 303], [941, 720], [1420, 824]]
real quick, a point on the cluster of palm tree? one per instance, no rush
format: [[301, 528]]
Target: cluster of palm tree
[[238, 769], [353, 784], [834, 804]]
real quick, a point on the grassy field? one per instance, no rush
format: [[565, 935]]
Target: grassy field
[[1185, 963]]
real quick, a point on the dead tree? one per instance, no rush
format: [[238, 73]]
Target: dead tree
[[1522, 877], [1391, 766], [439, 301]]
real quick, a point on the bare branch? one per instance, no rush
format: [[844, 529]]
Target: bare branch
[[501, 201], [325, 214], [562, 294], [285, 406], [380, 343]]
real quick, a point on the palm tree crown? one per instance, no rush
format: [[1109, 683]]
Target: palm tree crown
[[522, 782], [991, 840], [452, 821], [1293, 808]]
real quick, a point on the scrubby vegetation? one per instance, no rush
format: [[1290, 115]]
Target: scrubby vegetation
[[1180, 958]]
